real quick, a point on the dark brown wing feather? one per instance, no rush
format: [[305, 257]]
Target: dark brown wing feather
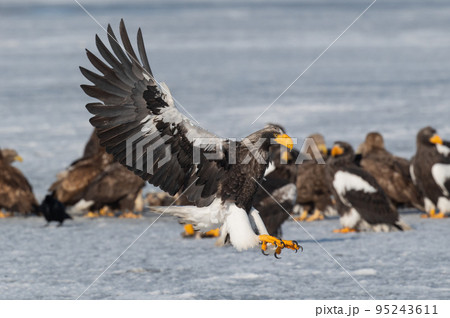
[[374, 207], [136, 108], [392, 174], [116, 186]]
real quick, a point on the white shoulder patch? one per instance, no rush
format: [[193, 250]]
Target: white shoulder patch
[[270, 167], [346, 181], [286, 193], [443, 150], [441, 173]]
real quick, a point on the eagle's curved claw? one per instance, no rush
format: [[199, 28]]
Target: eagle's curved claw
[[262, 251], [279, 244], [276, 256]]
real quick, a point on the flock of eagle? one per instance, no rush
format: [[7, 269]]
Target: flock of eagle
[[246, 189]]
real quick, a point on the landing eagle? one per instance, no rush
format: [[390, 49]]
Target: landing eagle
[[138, 123]]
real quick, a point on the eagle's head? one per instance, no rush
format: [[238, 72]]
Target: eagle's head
[[428, 137], [9, 156], [272, 134], [342, 151]]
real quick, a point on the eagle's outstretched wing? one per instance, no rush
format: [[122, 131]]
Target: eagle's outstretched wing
[[140, 126]]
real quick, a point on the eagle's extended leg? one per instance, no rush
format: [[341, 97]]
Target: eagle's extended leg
[[344, 230], [317, 215], [434, 215], [280, 244]]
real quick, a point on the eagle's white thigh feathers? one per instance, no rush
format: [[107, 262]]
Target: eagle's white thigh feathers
[[257, 222], [350, 219], [429, 205], [232, 220], [443, 205]]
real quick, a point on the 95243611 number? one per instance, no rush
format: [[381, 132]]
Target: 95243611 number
[[406, 310]]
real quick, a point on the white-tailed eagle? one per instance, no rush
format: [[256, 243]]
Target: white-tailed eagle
[[391, 172]]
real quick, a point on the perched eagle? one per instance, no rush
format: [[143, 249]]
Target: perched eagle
[[98, 180], [16, 193], [313, 192], [138, 123], [391, 172], [275, 199], [71, 184], [430, 170], [361, 202]]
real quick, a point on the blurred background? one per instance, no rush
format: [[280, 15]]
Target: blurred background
[[225, 62]]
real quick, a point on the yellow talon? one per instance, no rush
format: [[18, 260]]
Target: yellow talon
[[105, 211], [302, 216], [434, 215], [279, 244], [188, 230], [344, 230], [316, 216], [5, 215], [91, 215], [212, 233], [129, 215]]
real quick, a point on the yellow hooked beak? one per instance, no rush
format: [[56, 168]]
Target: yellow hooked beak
[[336, 151], [436, 140], [285, 156], [18, 158], [284, 140], [323, 149]]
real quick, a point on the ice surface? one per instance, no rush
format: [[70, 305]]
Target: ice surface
[[49, 262], [225, 62]]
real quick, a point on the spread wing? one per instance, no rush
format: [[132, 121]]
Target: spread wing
[[140, 126]]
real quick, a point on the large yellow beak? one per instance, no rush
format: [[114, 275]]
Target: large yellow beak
[[323, 149], [284, 140], [336, 151], [436, 140], [18, 158], [285, 157]]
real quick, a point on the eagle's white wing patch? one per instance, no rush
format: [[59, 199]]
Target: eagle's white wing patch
[[443, 150], [271, 167], [346, 181], [441, 173], [286, 193]]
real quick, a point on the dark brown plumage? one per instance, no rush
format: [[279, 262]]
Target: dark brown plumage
[[16, 193], [391, 172], [361, 202], [96, 177], [278, 188], [313, 193], [71, 184]]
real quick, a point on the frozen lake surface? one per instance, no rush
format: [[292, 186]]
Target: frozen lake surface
[[49, 262], [225, 62]]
